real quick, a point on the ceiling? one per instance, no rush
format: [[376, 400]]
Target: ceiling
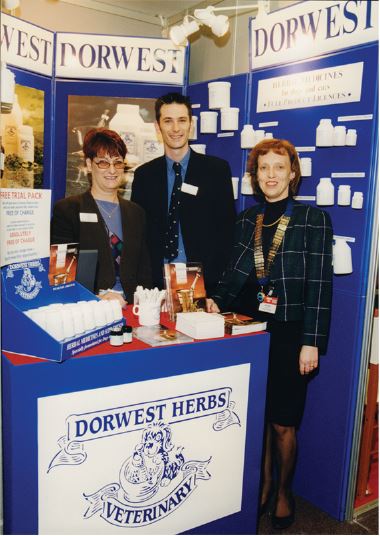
[[151, 11]]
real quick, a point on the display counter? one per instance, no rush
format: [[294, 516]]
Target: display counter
[[134, 439]]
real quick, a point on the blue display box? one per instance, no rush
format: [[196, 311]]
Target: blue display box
[[25, 285]]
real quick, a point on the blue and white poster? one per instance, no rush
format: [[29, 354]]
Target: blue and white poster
[[144, 457]]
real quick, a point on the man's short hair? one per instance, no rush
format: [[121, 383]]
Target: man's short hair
[[169, 98]]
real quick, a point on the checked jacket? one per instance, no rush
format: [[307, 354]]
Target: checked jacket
[[301, 272]]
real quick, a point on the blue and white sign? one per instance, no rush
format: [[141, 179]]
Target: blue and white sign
[[310, 29], [145, 455], [26, 46], [112, 57]]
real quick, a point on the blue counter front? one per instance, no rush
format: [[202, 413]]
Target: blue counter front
[[146, 441]]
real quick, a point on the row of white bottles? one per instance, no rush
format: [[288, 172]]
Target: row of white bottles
[[229, 120], [326, 194], [139, 137], [328, 136], [67, 320], [250, 137], [17, 138]]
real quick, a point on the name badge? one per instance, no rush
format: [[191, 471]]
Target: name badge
[[269, 304], [189, 188], [88, 217]]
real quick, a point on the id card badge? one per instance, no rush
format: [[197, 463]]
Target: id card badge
[[269, 304]]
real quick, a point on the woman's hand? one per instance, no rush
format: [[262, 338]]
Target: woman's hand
[[113, 296], [211, 306], [308, 359]]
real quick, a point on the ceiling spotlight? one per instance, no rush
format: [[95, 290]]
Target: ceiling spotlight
[[219, 24], [179, 34], [11, 4]]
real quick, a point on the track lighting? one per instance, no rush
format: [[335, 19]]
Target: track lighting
[[219, 24], [178, 34]]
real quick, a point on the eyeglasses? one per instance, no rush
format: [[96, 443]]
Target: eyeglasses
[[105, 164]]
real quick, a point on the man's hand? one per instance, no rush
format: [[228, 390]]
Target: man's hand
[[211, 306], [113, 296]]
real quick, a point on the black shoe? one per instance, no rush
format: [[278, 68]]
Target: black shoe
[[281, 523]]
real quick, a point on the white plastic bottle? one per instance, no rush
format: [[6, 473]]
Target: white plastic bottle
[[247, 137], [342, 257], [339, 135], [306, 167], [259, 135], [246, 184], [351, 137], [148, 144], [194, 128], [25, 147], [325, 133], [357, 200], [10, 124], [325, 192], [127, 122], [344, 195]]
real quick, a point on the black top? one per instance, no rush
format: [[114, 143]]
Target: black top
[[246, 302]]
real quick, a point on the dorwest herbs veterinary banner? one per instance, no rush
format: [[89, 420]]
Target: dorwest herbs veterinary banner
[[309, 29], [110, 57], [143, 458], [26, 46]]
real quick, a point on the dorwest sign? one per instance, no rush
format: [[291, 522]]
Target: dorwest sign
[[26, 46], [107, 57], [309, 29]]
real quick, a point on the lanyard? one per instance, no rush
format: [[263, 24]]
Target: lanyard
[[262, 272]]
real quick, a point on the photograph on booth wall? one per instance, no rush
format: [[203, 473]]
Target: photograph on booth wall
[[22, 140], [132, 118]]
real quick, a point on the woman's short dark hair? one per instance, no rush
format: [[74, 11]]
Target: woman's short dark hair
[[102, 140], [279, 147], [169, 98]]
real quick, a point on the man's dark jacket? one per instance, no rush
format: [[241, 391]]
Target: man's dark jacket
[[207, 218]]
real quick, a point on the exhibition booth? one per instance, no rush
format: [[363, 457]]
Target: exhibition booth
[[75, 411]]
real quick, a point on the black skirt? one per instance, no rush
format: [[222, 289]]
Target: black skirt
[[286, 387]]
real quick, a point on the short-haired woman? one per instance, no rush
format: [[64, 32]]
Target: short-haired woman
[[281, 272], [102, 220]]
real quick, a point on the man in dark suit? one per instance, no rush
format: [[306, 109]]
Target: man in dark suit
[[196, 225]]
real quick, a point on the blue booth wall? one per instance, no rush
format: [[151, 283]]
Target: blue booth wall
[[326, 434]]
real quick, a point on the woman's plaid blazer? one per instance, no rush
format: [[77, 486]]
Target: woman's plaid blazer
[[301, 272]]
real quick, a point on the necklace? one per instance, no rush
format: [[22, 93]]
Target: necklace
[[109, 214], [273, 223]]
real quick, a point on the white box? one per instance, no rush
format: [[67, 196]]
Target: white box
[[200, 325]]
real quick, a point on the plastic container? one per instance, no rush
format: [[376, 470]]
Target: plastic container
[[325, 192], [209, 122], [127, 122], [247, 137], [357, 200], [246, 184], [199, 148], [325, 134], [219, 95], [340, 135], [194, 128], [10, 124], [229, 119], [342, 257], [259, 135], [344, 195], [7, 89], [25, 143], [268, 135], [306, 167], [235, 187], [351, 137]]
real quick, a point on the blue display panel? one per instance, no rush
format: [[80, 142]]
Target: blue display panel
[[326, 434], [216, 144]]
